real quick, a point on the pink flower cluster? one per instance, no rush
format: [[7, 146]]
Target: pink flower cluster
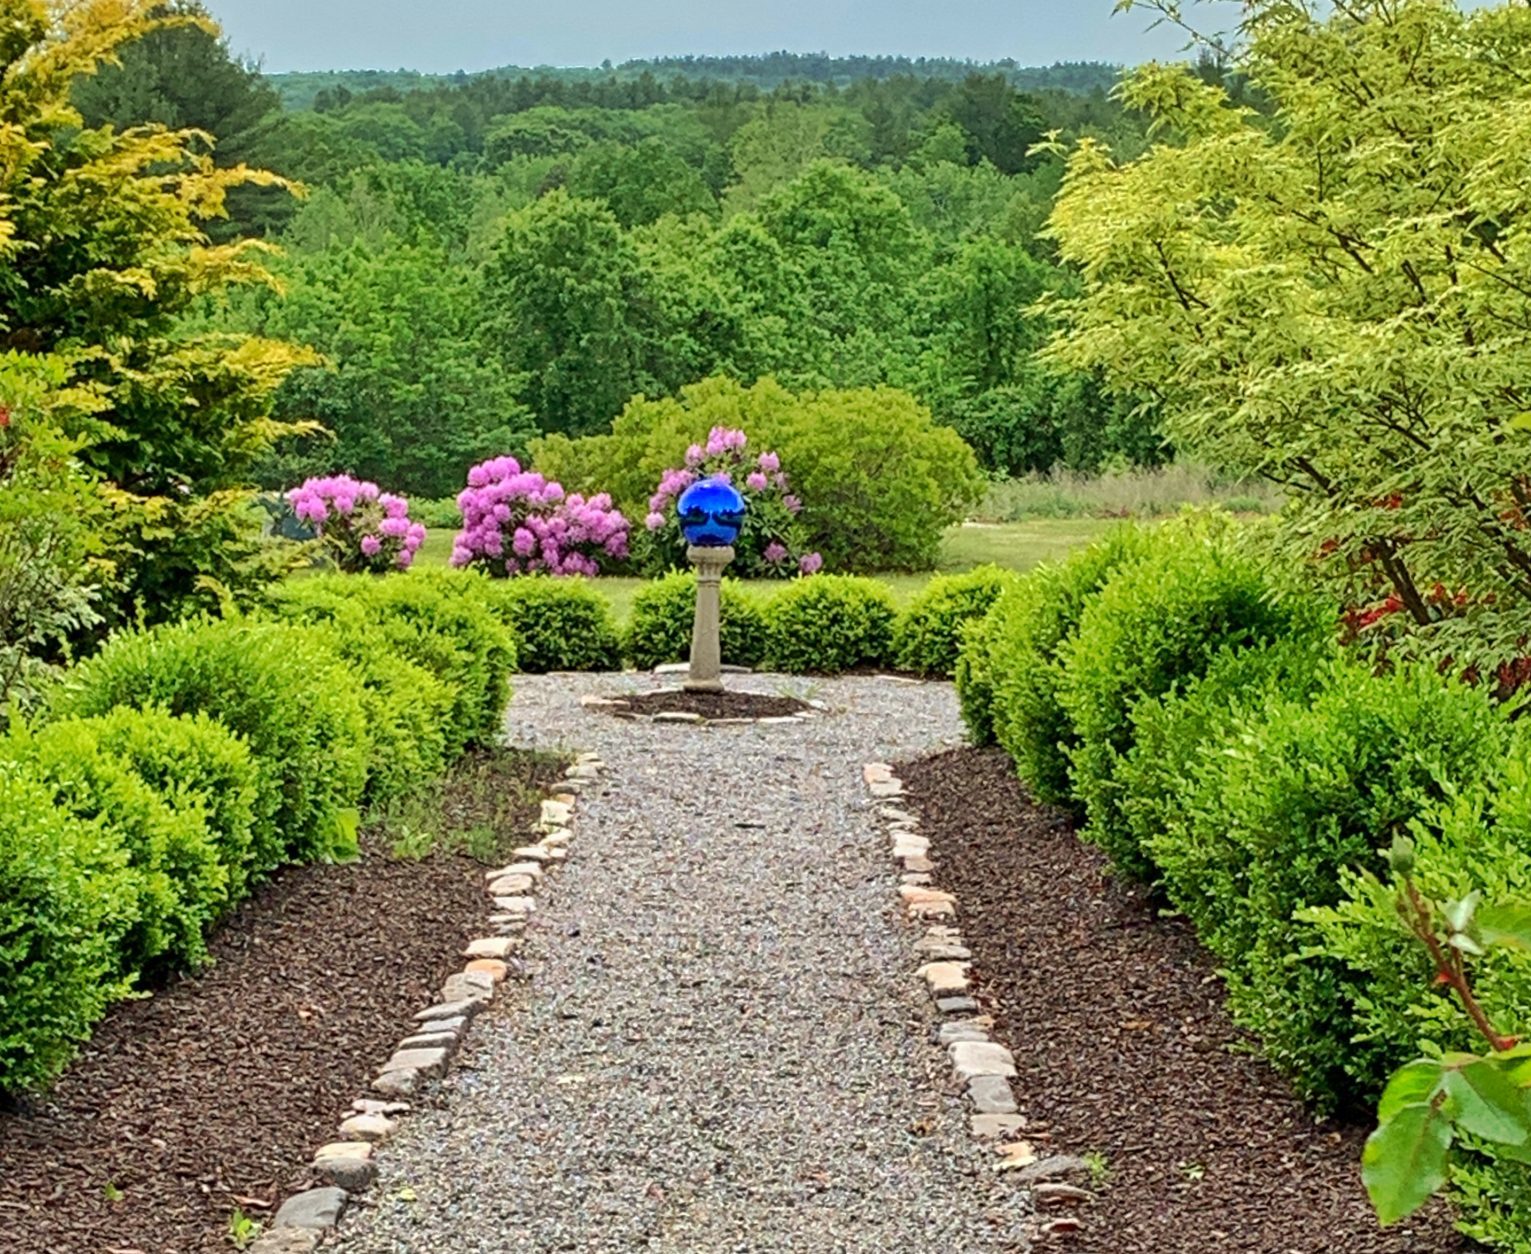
[[363, 527], [771, 528], [515, 522]]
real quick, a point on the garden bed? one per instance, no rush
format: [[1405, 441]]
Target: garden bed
[[208, 1099], [1124, 1050]]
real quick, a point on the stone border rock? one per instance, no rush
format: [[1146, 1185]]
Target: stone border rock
[[425, 1052], [613, 706], [983, 1066]]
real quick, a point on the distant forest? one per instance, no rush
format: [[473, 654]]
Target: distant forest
[[767, 70], [484, 259]]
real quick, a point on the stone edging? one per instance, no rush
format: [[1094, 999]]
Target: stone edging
[[612, 706], [346, 1164], [984, 1067]]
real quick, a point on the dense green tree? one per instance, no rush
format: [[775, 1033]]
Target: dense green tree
[[565, 287], [640, 182]]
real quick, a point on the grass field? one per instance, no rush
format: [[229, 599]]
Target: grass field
[[1018, 546]]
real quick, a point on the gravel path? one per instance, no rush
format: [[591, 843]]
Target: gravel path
[[723, 1047]]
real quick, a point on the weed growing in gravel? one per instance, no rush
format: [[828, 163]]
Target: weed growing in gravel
[[483, 807], [1099, 1166], [242, 1229]]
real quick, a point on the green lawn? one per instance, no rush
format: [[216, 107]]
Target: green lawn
[[1019, 546]]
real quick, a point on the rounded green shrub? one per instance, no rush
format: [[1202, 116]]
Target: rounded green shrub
[[559, 624], [445, 622], [659, 626], [1013, 673], [182, 884], [1156, 626], [927, 638], [826, 624], [193, 761], [294, 702], [67, 899], [1173, 732], [1305, 796]]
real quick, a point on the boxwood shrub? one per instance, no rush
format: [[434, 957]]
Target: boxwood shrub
[[559, 624], [927, 637], [447, 623], [1158, 625], [1013, 672], [660, 624], [292, 699], [181, 882], [193, 760], [67, 899], [826, 624], [1302, 797]]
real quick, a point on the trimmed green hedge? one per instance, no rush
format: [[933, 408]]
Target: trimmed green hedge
[[927, 638], [181, 765], [558, 624], [826, 624], [659, 628], [1224, 747], [292, 699]]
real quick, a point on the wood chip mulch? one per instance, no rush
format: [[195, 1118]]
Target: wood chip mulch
[[1122, 1044], [212, 1095], [710, 705]]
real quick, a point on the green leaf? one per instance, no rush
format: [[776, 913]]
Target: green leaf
[[1507, 924], [1404, 1162], [1459, 914], [1486, 1103], [1413, 1084]]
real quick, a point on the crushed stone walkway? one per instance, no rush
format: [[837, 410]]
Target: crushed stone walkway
[[723, 1046]]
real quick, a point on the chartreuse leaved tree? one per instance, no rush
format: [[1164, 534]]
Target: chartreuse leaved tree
[[103, 251], [1334, 291]]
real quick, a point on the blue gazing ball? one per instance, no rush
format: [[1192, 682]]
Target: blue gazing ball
[[711, 513]]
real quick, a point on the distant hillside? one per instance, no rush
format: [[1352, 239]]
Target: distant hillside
[[768, 71]]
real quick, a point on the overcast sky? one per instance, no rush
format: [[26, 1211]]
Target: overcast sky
[[447, 35]]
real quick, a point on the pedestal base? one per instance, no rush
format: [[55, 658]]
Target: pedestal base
[[706, 673]]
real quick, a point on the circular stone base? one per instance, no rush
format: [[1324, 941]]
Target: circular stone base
[[670, 705]]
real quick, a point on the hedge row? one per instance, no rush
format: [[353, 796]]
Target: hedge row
[[1199, 716], [179, 767], [824, 625]]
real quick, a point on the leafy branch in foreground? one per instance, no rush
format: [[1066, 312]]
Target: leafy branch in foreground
[[1430, 1102]]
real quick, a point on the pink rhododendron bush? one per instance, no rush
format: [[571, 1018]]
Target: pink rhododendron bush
[[363, 528], [770, 546], [515, 522]]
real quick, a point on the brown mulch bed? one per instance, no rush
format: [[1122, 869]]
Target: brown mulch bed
[[211, 1095], [710, 704], [1117, 1023]]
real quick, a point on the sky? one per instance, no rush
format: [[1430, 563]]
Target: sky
[[441, 36]]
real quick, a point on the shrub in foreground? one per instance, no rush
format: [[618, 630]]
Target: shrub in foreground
[[181, 884], [1013, 672], [294, 702], [1304, 795], [664, 611], [927, 637], [1156, 626], [67, 899], [827, 624], [193, 760]]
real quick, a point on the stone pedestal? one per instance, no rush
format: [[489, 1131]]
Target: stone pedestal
[[706, 648]]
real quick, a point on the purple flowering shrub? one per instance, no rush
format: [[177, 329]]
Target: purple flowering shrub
[[771, 544], [515, 522], [363, 528]]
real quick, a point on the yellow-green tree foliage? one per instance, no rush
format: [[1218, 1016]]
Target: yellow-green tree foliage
[[102, 252], [1333, 289]]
